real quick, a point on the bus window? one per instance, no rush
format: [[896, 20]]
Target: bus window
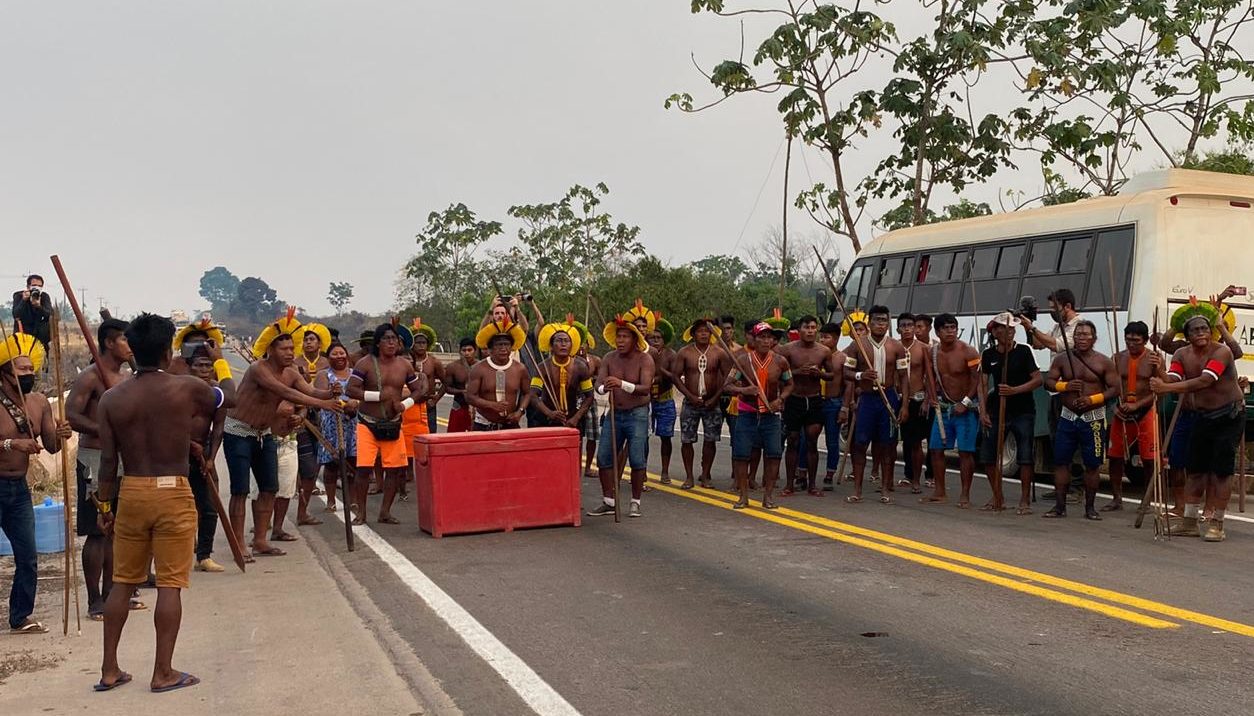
[[984, 263], [939, 283], [993, 296], [1011, 261], [1114, 250], [936, 268], [893, 288], [1039, 287], [1044, 257], [1075, 255], [857, 287]]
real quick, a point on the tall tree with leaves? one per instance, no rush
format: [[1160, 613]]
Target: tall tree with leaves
[[445, 263], [256, 301], [562, 241], [812, 58], [218, 286], [339, 295]]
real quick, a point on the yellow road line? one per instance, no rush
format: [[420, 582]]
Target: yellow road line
[[1128, 600]]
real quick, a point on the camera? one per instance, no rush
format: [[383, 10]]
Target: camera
[[1027, 309], [35, 291]]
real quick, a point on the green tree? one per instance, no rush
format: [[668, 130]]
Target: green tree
[[445, 262], [256, 301], [563, 241], [721, 266], [1233, 160], [339, 295], [218, 286]]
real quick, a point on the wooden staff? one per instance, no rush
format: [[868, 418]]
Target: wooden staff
[[846, 455], [65, 486], [879, 388], [78, 315], [342, 454], [1171, 429], [210, 475]]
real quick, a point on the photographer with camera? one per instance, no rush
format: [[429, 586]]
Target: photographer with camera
[[33, 309]]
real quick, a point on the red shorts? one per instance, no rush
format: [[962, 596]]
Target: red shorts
[[1139, 435], [459, 420]]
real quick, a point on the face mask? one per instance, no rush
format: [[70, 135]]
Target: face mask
[[1056, 315], [26, 383]]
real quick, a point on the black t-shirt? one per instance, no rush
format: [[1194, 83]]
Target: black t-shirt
[[1019, 371]]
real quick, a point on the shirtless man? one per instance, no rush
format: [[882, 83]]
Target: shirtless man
[[1207, 371], [456, 374], [564, 378], [1135, 416], [247, 441], [315, 340], [835, 412], [80, 410], [700, 371], [626, 375], [208, 365], [498, 386], [1085, 380], [662, 398], [149, 423], [27, 427], [591, 421], [884, 378], [917, 426], [809, 362], [377, 382], [956, 375], [437, 378], [762, 380]]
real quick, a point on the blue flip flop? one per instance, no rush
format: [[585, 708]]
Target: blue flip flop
[[185, 680], [124, 679]]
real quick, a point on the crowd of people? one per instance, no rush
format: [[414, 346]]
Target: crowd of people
[[158, 405]]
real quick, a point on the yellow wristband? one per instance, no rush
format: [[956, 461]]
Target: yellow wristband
[[1097, 398], [1060, 386], [222, 369]]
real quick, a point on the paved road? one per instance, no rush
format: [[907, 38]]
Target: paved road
[[826, 607]]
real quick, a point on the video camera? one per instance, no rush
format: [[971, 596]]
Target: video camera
[[1027, 309]]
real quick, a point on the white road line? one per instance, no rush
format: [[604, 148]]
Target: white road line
[[542, 698]]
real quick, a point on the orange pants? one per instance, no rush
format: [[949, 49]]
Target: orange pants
[[414, 423], [156, 522], [1140, 434], [369, 449]]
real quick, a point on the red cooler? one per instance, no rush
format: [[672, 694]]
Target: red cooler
[[502, 480]]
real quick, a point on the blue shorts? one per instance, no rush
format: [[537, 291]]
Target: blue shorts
[[960, 431], [1088, 438], [875, 425], [260, 456], [758, 431], [663, 418], [1178, 450], [631, 429], [831, 429]]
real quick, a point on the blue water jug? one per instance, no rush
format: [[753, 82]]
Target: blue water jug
[[49, 529]]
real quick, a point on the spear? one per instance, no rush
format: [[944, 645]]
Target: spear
[[65, 486], [210, 475], [343, 459], [879, 388]]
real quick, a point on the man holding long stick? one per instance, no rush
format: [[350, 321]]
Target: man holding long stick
[[80, 410], [208, 365], [627, 373], [27, 427], [763, 381], [1011, 408], [877, 363], [1135, 418]]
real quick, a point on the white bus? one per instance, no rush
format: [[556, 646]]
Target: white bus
[[1166, 236]]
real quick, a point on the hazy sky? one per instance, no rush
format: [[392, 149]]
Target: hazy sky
[[305, 142]]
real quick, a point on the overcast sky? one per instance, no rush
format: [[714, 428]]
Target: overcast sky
[[305, 142]]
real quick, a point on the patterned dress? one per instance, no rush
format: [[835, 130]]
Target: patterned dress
[[328, 420]]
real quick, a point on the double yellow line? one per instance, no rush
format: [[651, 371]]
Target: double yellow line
[[1045, 586]]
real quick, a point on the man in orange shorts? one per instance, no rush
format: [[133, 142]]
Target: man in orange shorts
[[1133, 426], [377, 381], [151, 422]]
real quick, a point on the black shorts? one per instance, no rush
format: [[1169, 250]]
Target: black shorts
[[918, 425], [306, 455], [800, 412], [1213, 442], [85, 524]]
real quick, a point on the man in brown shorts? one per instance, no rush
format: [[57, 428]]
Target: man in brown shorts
[[149, 423]]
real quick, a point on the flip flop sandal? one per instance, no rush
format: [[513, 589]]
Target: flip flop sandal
[[317, 491], [30, 627], [1023, 511], [272, 552], [853, 499], [707, 484], [284, 537], [122, 680], [185, 680], [665, 480], [916, 490], [308, 521], [687, 486], [886, 500], [389, 520], [137, 606], [816, 492], [903, 483], [786, 492], [330, 508]]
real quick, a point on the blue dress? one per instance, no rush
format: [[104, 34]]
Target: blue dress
[[328, 420]]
